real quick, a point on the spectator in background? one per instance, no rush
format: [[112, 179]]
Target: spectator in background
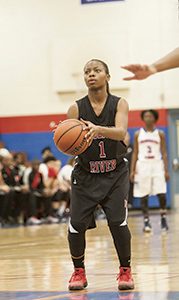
[[20, 163], [14, 181], [51, 183], [64, 177], [46, 152], [5, 199], [3, 152], [39, 198]]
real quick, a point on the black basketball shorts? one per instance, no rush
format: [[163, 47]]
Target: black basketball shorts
[[110, 190]]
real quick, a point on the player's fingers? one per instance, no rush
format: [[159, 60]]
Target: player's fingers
[[84, 121], [130, 78], [131, 67]]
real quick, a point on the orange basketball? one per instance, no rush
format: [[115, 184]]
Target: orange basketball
[[69, 137]]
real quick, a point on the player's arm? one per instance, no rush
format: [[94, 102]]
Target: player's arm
[[134, 156], [164, 153], [170, 61], [73, 112], [117, 132]]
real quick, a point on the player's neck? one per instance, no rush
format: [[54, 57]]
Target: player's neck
[[149, 128], [97, 96]]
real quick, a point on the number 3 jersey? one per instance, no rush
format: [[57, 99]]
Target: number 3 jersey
[[149, 145], [104, 154]]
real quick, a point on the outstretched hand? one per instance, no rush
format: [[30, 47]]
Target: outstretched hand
[[139, 71]]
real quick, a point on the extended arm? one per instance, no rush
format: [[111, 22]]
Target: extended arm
[[170, 61]]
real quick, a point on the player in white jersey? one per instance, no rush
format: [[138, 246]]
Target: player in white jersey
[[149, 166]]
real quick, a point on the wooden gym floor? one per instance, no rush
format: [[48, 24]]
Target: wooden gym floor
[[35, 262]]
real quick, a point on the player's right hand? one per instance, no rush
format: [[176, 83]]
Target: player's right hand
[[139, 71]]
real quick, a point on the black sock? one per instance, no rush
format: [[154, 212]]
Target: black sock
[[78, 262], [77, 248], [125, 261]]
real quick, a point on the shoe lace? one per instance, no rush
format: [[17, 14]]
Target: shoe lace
[[123, 275], [77, 275]]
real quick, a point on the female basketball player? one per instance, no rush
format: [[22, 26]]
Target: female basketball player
[[100, 175], [149, 166]]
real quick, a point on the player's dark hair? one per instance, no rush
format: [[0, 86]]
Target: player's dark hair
[[106, 68], [152, 111]]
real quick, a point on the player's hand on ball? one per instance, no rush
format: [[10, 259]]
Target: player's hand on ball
[[139, 71], [93, 130]]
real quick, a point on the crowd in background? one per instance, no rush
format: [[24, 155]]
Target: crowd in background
[[36, 192]]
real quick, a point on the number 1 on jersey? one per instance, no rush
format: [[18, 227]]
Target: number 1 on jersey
[[102, 150]]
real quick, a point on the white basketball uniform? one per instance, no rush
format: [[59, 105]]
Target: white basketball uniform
[[150, 176]]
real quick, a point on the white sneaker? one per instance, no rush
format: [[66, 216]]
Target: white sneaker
[[52, 220], [33, 221]]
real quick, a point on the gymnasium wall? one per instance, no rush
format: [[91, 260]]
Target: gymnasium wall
[[45, 43], [31, 134]]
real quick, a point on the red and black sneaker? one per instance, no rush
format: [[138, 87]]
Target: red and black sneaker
[[125, 280], [78, 280]]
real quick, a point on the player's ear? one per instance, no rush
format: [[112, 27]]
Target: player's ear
[[108, 77]]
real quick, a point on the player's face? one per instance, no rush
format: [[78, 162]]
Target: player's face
[[95, 75], [149, 119]]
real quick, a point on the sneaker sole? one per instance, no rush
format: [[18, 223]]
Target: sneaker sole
[[125, 287], [77, 288], [147, 230]]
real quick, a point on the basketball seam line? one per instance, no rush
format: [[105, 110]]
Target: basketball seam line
[[67, 131], [76, 139]]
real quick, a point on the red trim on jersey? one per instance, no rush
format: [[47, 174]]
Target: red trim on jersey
[[148, 141]]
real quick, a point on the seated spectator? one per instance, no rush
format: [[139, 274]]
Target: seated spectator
[[52, 183], [5, 199], [46, 191], [64, 178], [39, 196], [19, 191], [20, 163], [46, 152]]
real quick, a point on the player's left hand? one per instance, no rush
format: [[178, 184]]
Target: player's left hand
[[93, 130]]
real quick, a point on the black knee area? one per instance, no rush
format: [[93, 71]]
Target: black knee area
[[121, 232], [77, 226], [162, 200], [76, 238]]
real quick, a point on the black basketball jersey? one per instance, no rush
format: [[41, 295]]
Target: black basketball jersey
[[104, 154]]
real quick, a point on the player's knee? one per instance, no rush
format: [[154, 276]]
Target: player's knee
[[76, 227], [122, 231]]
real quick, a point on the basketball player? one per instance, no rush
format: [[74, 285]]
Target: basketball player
[[149, 166], [170, 61], [101, 174]]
